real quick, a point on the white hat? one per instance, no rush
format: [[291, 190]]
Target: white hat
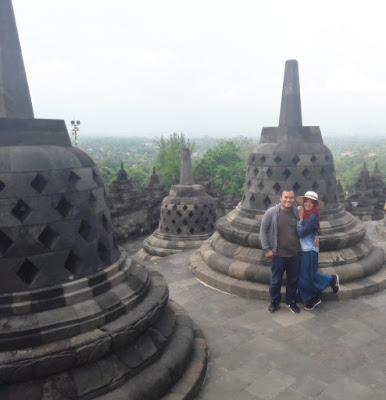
[[310, 195]]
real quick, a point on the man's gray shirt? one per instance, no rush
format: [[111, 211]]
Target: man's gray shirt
[[268, 228]]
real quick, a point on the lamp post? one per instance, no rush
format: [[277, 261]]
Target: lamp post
[[74, 130]]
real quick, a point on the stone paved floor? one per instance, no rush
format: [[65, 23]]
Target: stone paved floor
[[337, 351]]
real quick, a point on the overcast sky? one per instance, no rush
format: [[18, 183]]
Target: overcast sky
[[212, 67]]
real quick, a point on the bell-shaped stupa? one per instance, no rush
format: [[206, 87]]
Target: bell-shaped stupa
[[187, 217], [290, 156], [78, 319]]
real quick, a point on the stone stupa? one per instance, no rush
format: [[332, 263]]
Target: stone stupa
[[360, 203], [187, 217], [154, 189], [78, 318], [367, 199], [288, 156], [122, 192]]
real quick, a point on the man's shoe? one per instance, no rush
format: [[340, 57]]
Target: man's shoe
[[335, 284], [273, 307], [294, 308], [312, 303]]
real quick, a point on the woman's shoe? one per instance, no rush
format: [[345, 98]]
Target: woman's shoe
[[312, 303], [335, 284]]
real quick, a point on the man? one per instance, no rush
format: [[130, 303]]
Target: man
[[280, 242]]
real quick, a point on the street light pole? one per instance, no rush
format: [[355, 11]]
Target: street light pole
[[74, 130]]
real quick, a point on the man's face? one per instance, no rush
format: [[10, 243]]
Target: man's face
[[287, 199]]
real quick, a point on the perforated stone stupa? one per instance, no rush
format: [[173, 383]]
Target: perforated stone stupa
[[187, 217], [288, 156], [78, 319]]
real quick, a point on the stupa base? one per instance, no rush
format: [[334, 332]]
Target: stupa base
[[243, 288], [125, 340], [158, 245]]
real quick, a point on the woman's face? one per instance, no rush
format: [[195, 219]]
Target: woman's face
[[309, 204]]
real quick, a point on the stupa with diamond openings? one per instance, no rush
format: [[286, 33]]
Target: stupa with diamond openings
[[187, 217], [288, 156], [78, 318]]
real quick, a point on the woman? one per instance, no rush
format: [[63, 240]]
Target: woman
[[311, 282]]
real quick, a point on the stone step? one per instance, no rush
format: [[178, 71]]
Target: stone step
[[92, 339], [178, 374], [57, 296], [188, 386], [169, 358]]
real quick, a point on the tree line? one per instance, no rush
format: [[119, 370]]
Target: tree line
[[223, 160]]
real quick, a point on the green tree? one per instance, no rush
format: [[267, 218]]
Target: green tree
[[108, 174], [138, 176], [244, 144], [168, 159], [225, 167]]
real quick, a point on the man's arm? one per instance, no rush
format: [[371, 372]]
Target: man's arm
[[264, 229], [270, 255]]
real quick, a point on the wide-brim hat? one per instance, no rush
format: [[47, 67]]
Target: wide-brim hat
[[310, 195]]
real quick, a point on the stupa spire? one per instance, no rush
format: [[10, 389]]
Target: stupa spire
[[122, 174], [291, 108], [15, 99], [186, 173]]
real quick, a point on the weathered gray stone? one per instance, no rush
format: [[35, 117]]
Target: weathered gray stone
[[78, 318]]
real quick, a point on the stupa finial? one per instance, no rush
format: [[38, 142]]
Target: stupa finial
[[15, 99], [291, 108], [122, 174], [186, 173]]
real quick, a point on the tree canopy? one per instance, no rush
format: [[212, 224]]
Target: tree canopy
[[138, 176], [225, 167], [142, 153], [168, 159]]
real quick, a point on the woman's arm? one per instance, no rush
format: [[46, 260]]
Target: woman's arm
[[308, 225]]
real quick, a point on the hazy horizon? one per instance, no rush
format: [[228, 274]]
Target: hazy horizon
[[360, 137]]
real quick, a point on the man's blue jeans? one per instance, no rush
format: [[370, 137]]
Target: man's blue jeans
[[290, 265]]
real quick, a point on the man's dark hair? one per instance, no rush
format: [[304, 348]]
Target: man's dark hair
[[287, 190]]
